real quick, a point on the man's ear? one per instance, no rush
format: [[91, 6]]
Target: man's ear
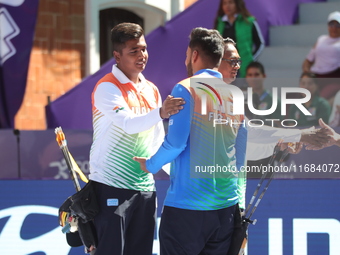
[[194, 56], [116, 56]]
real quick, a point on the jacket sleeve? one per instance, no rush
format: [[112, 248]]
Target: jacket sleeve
[[268, 135], [258, 40], [109, 100], [178, 133]]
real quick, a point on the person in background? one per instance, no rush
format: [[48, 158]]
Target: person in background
[[233, 20], [127, 120], [324, 59], [262, 140], [231, 61], [317, 106], [262, 99]]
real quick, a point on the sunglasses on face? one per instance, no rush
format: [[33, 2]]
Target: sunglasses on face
[[233, 62]]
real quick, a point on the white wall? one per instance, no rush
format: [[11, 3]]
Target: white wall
[[154, 12]]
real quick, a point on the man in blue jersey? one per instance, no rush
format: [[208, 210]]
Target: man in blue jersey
[[199, 209]]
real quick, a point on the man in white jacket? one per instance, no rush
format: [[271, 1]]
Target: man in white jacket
[[262, 140]]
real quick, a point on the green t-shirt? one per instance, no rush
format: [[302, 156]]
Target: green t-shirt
[[319, 108]]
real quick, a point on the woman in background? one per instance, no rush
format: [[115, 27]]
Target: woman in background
[[324, 58], [233, 20]]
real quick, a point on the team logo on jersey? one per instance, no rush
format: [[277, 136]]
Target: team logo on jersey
[[118, 108], [211, 94], [263, 106]]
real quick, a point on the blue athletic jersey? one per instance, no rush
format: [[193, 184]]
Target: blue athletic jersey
[[205, 149]]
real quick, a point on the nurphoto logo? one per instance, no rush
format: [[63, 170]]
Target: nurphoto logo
[[237, 106]]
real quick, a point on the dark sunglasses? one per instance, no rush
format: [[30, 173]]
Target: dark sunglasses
[[233, 62]]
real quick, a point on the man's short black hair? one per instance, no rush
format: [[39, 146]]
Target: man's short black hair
[[124, 32], [209, 42], [258, 65], [229, 40]]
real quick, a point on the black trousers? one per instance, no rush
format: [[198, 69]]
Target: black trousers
[[125, 224], [190, 232]]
